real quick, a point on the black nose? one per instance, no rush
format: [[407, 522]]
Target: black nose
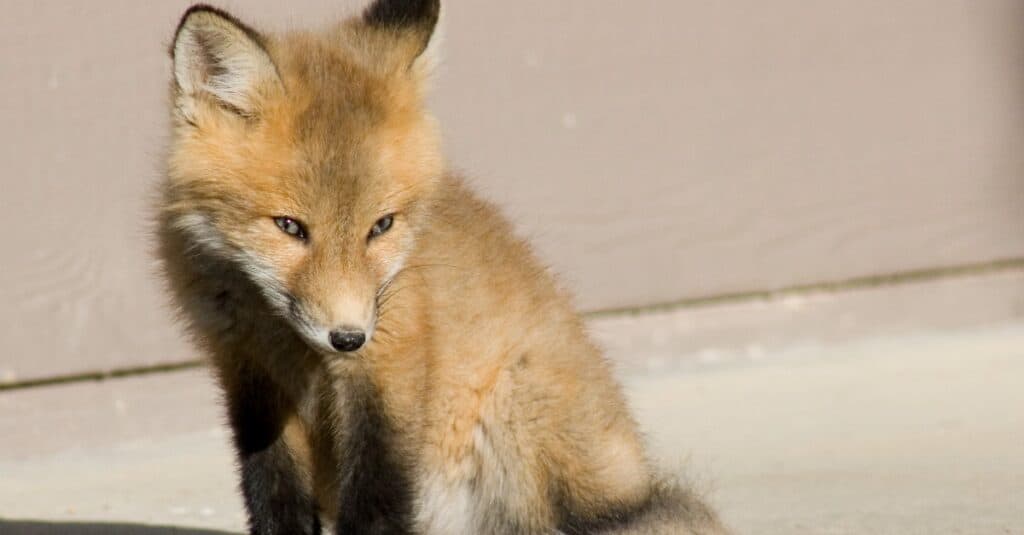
[[347, 340]]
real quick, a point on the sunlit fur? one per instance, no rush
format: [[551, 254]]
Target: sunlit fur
[[478, 388]]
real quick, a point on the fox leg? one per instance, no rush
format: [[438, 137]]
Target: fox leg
[[277, 494], [481, 475], [374, 489], [276, 503]]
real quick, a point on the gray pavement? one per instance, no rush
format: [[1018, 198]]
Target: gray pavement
[[915, 433]]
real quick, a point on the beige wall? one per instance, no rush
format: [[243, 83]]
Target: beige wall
[[654, 150]]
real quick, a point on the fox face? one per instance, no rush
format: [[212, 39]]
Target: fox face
[[307, 160]]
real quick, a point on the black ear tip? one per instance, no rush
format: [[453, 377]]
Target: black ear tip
[[403, 13]]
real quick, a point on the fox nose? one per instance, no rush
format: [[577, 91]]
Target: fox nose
[[347, 340]]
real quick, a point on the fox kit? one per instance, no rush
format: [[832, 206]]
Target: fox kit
[[393, 359]]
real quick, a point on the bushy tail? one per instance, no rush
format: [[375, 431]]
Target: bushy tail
[[672, 510]]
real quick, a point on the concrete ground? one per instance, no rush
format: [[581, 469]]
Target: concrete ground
[[910, 433]]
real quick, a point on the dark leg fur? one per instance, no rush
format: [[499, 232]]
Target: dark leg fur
[[277, 502], [375, 490]]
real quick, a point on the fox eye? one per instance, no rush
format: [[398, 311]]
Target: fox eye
[[382, 225], [291, 227]]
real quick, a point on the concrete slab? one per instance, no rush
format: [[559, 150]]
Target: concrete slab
[[148, 450], [917, 433]]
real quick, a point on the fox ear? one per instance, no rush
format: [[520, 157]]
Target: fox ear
[[215, 55], [413, 21]]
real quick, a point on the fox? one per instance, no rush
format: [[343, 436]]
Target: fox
[[393, 358]]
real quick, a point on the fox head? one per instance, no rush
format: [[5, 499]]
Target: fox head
[[306, 160]]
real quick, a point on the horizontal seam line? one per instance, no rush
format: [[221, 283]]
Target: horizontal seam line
[[994, 267], [99, 376], [845, 285]]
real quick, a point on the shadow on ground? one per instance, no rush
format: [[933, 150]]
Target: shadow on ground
[[8, 527]]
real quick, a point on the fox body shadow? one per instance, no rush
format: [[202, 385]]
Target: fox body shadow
[[29, 527]]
